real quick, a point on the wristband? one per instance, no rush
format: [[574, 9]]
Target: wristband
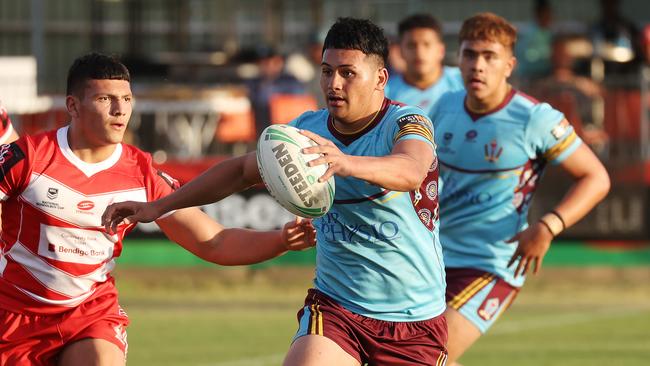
[[559, 217], [554, 224], [547, 227]]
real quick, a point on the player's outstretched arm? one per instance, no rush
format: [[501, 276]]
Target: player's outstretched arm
[[207, 239], [403, 169], [591, 185], [218, 182]]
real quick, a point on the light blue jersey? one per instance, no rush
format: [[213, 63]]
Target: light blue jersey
[[378, 252], [399, 90], [490, 166]]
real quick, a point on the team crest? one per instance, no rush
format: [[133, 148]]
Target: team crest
[[493, 151], [489, 308]]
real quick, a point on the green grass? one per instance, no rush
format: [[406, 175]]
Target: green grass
[[246, 317]]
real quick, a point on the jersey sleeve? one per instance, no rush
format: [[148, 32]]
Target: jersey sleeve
[[551, 135], [412, 124], [14, 168]]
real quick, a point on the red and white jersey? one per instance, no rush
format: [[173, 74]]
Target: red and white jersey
[[6, 127], [54, 252]]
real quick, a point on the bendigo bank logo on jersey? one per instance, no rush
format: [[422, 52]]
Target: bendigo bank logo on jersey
[[296, 179], [493, 151]]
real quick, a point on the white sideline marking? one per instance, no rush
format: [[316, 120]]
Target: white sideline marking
[[508, 328], [565, 319]]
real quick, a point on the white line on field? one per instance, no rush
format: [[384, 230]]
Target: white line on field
[[564, 319]]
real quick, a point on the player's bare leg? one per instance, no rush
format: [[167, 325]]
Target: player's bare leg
[[92, 352], [315, 350], [462, 334]]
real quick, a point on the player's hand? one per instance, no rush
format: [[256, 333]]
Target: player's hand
[[338, 163], [533, 245], [299, 234], [128, 212]]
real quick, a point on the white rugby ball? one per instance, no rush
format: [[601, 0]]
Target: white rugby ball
[[284, 169]]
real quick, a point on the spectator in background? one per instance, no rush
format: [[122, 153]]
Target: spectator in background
[[533, 50], [425, 78], [578, 97], [307, 67], [616, 40], [272, 79]]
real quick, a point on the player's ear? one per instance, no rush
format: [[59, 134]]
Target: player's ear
[[511, 64], [382, 78], [72, 104]]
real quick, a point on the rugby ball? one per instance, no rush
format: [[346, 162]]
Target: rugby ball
[[285, 173]]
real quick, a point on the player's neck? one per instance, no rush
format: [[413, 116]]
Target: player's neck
[[358, 125], [86, 151], [425, 81], [489, 103]]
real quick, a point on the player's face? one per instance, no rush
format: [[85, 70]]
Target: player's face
[[485, 66], [104, 112], [423, 52], [350, 80]]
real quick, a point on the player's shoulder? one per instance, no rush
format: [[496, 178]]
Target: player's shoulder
[[530, 110], [311, 119], [135, 155], [396, 110]]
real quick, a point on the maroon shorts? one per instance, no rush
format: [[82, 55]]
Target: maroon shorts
[[373, 341], [481, 297], [38, 339]]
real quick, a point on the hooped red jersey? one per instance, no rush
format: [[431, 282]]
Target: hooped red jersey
[[6, 128], [54, 253]]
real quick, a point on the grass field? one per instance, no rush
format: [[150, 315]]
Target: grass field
[[246, 317]]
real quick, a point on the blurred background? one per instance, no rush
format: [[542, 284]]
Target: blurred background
[[209, 75]]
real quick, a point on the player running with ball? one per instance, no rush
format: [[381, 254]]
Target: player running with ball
[[378, 294]]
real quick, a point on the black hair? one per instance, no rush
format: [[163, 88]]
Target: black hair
[[358, 34], [94, 66], [419, 21]]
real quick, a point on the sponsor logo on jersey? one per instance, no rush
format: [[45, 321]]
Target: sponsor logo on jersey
[[560, 129], [86, 205], [470, 136], [493, 151], [333, 229], [446, 138], [489, 308], [52, 193]]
